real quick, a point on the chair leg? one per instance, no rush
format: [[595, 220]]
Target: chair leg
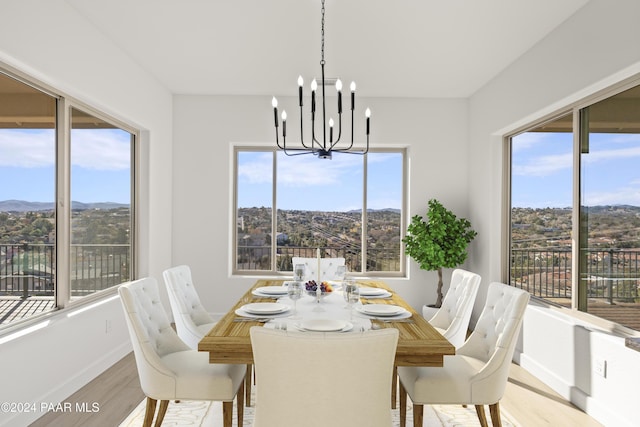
[[403, 406], [240, 404], [481, 415], [418, 410], [149, 412], [227, 414], [394, 387], [164, 404], [494, 410], [247, 384]]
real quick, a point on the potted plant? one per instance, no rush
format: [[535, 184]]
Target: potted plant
[[439, 242]]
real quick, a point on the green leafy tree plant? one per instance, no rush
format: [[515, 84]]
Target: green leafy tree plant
[[439, 242]]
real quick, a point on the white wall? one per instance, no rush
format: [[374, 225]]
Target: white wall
[[205, 128], [591, 50], [48, 40], [185, 215]]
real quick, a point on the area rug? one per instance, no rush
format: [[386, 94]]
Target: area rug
[[192, 414]]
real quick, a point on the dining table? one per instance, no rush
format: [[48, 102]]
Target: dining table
[[419, 343]]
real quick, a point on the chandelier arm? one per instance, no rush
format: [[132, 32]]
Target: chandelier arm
[[314, 140], [324, 106], [349, 151], [333, 144], [302, 151], [301, 126], [321, 148], [351, 128]]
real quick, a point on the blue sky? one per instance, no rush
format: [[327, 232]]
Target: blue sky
[[100, 165], [308, 183], [542, 165]]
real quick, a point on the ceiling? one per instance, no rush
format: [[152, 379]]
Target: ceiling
[[399, 48]]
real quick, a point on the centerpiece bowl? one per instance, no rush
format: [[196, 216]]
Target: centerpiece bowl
[[311, 288]]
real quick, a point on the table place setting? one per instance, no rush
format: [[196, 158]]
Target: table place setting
[[229, 341], [259, 311], [271, 291], [334, 317], [385, 312], [373, 293]]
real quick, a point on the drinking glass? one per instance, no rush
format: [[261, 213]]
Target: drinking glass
[[294, 291], [298, 272], [341, 272], [347, 283], [351, 295]]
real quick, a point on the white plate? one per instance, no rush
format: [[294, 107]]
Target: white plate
[[265, 308], [272, 290], [240, 312], [325, 325], [403, 315], [384, 295], [367, 292], [380, 309]]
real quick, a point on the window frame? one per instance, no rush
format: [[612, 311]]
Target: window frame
[[62, 247], [273, 271], [578, 307]]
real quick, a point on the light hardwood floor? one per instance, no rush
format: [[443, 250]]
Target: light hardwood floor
[[117, 391]]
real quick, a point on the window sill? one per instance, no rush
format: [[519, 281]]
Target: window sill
[[632, 343]]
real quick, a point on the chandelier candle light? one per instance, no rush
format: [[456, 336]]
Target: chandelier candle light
[[323, 148]]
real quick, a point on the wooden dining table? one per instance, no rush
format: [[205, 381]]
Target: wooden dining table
[[419, 343]]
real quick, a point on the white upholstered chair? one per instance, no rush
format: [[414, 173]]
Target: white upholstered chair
[[323, 379], [192, 320], [477, 374], [328, 267], [167, 367], [452, 318]]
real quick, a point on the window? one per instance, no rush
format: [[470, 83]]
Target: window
[[54, 149], [350, 206], [594, 156]]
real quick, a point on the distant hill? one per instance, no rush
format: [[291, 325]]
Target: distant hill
[[376, 210], [24, 206]]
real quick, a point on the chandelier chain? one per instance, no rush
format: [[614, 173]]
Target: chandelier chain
[[322, 35], [321, 147]]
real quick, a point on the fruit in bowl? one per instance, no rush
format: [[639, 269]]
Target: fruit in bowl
[[312, 287]]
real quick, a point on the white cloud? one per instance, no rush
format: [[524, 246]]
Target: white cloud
[[544, 165], [308, 170], [527, 140], [623, 153], [103, 149], [257, 171], [620, 196], [548, 165], [27, 149]]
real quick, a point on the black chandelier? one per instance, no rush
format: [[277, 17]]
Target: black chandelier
[[323, 148]]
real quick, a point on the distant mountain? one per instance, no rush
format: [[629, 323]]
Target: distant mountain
[[24, 206], [376, 210]]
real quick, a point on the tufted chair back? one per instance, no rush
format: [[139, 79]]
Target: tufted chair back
[[318, 380], [328, 267], [494, 339], [453, 317], [151, 335], [191, 318]]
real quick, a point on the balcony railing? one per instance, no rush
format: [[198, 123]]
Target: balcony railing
[[611, 274], [259, 257], [29, 269]]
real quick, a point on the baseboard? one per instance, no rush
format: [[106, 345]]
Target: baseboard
[[66, 389], [579, 398]]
